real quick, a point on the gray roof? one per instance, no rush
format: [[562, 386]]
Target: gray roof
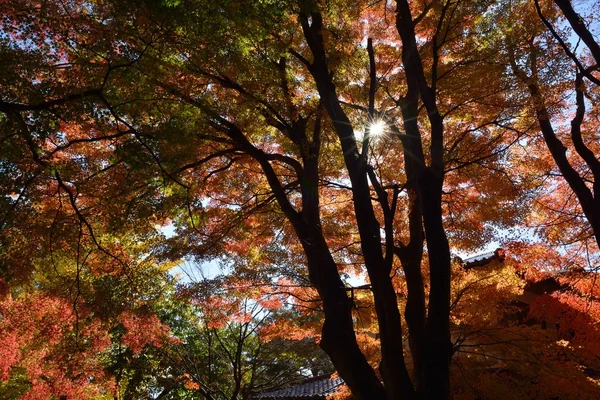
[[314, 389], [480, 257], [483, 259]]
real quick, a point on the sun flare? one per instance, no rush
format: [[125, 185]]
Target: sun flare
[[377, 128]]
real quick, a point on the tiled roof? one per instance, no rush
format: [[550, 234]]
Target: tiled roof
[[480, 257], [315, 389], [484, 259]]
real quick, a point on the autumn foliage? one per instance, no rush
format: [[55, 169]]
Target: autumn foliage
[[214, 199]]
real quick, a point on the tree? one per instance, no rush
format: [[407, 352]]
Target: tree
[[524, 332], [577, 158], [239, 123], [221, 347], [53, 345]]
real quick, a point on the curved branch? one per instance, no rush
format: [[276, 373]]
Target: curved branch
[[580, 67]]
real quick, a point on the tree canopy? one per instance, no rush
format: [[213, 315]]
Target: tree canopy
[[329, 161]]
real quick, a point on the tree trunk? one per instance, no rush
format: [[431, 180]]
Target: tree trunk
[[338, 337], [411, 257], [438, 347], [393, 368], [588, 199]]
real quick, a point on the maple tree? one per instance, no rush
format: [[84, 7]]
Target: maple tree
[[220, 346], [54, 338], [296, 142], [520, 341], [555, 96]]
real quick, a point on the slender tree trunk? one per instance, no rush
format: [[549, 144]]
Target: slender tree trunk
[[411, 254], [590, 204], [411, 257], [589, 199], [393, 368], [338, 337], [579, 27], [437, 347]]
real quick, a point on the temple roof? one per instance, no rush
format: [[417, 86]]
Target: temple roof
[[314, 388], [483, 259]]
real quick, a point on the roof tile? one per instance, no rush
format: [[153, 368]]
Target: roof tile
[[315, 389]]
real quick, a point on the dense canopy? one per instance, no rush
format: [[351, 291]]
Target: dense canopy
[[216, 199]]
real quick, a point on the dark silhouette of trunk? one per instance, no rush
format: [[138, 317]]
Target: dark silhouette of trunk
[[437, 349], [393, 369], [429, 337], [411, 256], [579, 27], [589, 199], [338, 338]]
